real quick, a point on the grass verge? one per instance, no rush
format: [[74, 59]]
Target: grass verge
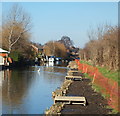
[[107, 73], [98, 89]]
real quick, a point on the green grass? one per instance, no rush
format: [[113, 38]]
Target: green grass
[[94, 86], [113, 110], [98, 89], [81, 61], [107, 73], [86, 75]]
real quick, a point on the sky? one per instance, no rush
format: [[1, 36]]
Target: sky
[[52, 20]]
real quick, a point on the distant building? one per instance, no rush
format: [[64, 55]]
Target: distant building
[[74, 52]]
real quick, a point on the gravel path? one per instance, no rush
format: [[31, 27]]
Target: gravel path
[[96, 104]]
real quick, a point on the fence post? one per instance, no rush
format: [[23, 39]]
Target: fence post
[[83, 68], [86, 68], [94, 75], [111, 96], [94, 78]]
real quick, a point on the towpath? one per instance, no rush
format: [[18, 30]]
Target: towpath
[[96, 104]]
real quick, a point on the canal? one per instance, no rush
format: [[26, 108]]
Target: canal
[[29, 90]]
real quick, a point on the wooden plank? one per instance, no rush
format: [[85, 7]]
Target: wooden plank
[[72, 71], [70, 99], [74, 74], [73, 77]]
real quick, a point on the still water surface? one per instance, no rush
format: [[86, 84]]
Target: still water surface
[[29, 91]]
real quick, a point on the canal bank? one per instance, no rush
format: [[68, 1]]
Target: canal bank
[[96, 104]]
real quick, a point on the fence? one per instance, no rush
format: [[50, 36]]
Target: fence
[[108, 86]]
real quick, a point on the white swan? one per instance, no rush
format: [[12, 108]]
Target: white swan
[[39, 70]]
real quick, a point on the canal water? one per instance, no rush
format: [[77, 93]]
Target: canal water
[[29, 90]]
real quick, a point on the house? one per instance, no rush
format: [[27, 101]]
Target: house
[[4, 57], [51, 58]]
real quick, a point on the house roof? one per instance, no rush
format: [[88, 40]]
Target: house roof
[[3, 51]]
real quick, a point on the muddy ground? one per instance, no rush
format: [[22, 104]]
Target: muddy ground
[[96, 104]]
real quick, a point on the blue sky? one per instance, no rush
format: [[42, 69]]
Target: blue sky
[[52, 20]]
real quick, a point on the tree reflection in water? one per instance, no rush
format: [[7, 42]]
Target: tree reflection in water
[[14, 86], [27, 91]]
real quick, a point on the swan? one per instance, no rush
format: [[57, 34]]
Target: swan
[[39, 70]]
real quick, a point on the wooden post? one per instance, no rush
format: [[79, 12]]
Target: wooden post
[[94, 76]]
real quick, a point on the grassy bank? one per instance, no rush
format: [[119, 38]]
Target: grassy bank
[[108, 74], [98, 89]]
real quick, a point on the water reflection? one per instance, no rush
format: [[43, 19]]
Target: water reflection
[[15, 84], [28, 91]]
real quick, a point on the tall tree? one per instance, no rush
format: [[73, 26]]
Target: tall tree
[[66, 41], [15, 25], [102, 49]]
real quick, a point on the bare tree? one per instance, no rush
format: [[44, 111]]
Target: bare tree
[[55, 48], [102, 49], [15, 25]]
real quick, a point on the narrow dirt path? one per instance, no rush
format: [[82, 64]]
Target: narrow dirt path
[[96, 104]]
